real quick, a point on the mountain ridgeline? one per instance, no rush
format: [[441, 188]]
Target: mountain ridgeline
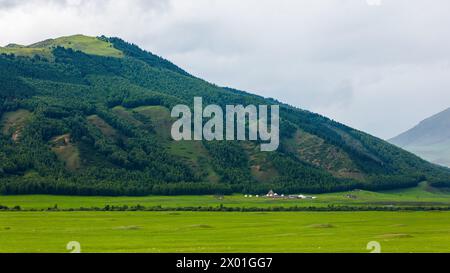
[[430, 139], [91, 116]]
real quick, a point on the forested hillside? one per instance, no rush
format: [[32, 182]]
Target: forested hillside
[[91, 116]]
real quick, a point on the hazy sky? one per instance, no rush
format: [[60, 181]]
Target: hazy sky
[[379, 68]]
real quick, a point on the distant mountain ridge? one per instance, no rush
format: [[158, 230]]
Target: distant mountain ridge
[[430, 139], [91, 116]]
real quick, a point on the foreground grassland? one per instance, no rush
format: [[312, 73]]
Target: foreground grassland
[[225, 231], [189, 231]]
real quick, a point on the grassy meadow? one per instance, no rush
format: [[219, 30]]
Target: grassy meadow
[[225, 231], [89, 45], [186, 231], [423, 195]]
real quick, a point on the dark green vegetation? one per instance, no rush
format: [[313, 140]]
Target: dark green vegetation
[[90, 116], [430, 139]]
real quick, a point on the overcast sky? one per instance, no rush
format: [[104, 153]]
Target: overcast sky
[[379, 68]]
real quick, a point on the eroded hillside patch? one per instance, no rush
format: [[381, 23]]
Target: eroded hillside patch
[[260, 166], [12, 123], [66, 151], [160, 119], [103, 126], [192, 151], [316, 151]]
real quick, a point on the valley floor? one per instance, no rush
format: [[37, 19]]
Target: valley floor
[[422, 195], [47, 229]]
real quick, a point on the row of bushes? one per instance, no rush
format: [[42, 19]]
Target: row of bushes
[[222, 208]]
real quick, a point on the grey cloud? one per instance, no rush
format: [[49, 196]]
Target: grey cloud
[[144, 5], [5, 4]]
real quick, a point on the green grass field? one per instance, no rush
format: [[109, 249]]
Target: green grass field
[[224, 231], [185, 231], [422, 195]]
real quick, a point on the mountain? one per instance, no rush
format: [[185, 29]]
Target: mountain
[[91, 116], [430, 139]]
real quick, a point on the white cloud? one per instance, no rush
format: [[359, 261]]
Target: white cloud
[[378, 68]]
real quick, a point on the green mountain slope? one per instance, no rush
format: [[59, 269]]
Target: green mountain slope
[[430, 139], [90, 116]]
